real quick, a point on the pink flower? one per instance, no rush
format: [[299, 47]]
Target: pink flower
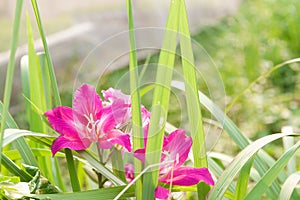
[[175, 151], [88, 121]]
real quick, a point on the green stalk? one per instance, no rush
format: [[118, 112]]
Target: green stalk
[[137, 130], [72, 170], [192, 98], [46, 49], [57, 100], [161, 100], [10, 71]]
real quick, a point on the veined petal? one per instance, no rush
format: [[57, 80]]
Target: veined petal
[[71, 143], [113, 95], [115, 137], [186, 176], [61, 120], [178, 145], [161, 193], [140, 154], [86, 104]]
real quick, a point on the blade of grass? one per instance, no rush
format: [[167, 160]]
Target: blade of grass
[[57, 100], [10, 70], [20, 144], [47, 52], [137, 130], [102, 169], [261, 161], [242, 183], [192, 98], [15, 169], [161, 99], [106, 193], [233, 169], [270, 176], [289, 186]]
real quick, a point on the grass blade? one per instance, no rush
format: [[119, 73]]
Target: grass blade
[[20, 144], [272, 173], [106, 193], [244, 156], [161, 99], [289, 186], [10, 70], [102, 169], [137, 130], [242, 184], [192, 98], [47, 52], [261, 161]]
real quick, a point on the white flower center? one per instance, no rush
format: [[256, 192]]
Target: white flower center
[[93, 127]]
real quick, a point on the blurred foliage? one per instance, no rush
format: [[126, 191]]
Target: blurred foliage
[[262, 34]]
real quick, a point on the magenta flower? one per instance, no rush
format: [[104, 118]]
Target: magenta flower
[[88, 121], [175, 151]]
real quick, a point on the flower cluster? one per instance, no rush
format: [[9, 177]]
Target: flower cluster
[[104, 122]]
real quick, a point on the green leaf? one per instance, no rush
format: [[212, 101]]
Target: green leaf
[[192, 98], [258, 190], [10, 70], [289, 186], [242, 184], [243, 157], [161, 100], [137, 130], [107, 194], [20, 143], [102, 169], [261, 161]]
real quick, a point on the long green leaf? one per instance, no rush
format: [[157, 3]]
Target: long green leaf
[[242, 184], [102, 169], [49, 61], [289, 186], [107, 194], [192, 98], [10, 70], [261, 161], [258, 190], [234, 168], [13, 168], [161, 99], [137, 130], [20, 144]]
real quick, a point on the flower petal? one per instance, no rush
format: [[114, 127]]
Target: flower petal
[[140, 154], [187, 176], [61, 120], [113, 95], [129, 171], [115, 137], [86, 103], [71, 143], [161, 193], [178, 145]]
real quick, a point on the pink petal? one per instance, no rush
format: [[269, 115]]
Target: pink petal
[[140, 154], [129, 171], [161, 193], [71, 143], [186, 176], [112, 95], [61, 120], [178, 145], [86, 103], [115, 137]]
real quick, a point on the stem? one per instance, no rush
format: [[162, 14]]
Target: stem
[[73, 174], [10, 71]]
